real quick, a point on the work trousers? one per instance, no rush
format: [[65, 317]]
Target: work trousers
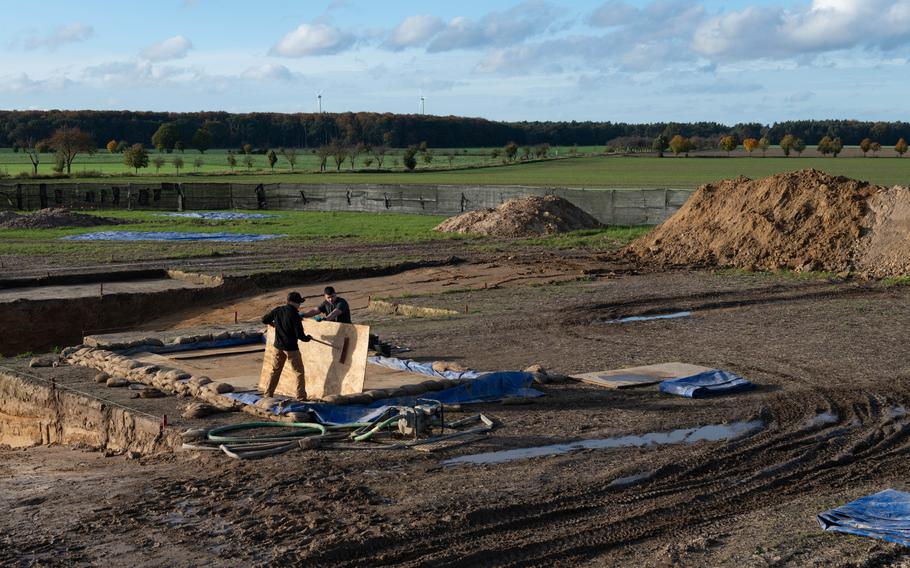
[[278, 360]]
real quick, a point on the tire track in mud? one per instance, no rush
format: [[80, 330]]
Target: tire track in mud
[[794, 453]]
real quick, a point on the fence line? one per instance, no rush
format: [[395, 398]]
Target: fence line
[[609, 206]]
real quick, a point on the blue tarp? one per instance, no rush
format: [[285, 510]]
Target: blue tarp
[[421, 368], [218, 215], [168, 236], [709, 383], [885, 515], [488, 388]]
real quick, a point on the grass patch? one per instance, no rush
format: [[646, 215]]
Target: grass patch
[[596, 239], [371, 227], [896, 281], [587, 172]]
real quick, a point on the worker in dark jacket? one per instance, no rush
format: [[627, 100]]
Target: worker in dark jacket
[[288, 330], [332, 308]]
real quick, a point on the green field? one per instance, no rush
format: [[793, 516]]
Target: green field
[[216, 162], [306, 232], [592, 172], [368, 227]]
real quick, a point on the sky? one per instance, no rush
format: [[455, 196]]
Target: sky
[[614, 60]]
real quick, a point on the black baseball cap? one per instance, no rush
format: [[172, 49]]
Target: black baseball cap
[[295, 297], [329, 291]]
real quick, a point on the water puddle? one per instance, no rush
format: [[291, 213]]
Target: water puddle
[[898, 412], [822, 419], [630, 319], [631, 479], [710, 433]]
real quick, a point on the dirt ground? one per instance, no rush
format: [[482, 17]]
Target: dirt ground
[[830, 358]]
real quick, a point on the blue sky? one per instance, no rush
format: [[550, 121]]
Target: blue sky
[[636, 61]]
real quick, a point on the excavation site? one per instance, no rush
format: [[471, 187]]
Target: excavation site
[[525, 386]]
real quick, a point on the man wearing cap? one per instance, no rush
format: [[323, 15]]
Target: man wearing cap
[[333, 308], [288, 330]]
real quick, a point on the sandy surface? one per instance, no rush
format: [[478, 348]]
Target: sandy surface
[[829, 358], [403, 286], [71, 291]]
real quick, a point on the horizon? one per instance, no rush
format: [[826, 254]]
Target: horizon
[[730, 62]]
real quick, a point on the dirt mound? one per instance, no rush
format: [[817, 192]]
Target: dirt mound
[[524, 217], [804, 220], [53, 218]]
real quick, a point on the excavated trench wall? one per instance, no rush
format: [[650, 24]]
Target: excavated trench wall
[[609, 206], [41, 325], [34, 413]]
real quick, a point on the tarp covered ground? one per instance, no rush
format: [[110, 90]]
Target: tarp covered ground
[[884, 515], [219, 215], [488, 388], [422, 368], [709, 383], [168, 236]]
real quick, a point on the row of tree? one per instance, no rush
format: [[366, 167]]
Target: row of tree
[[311, 130], [788, 143]]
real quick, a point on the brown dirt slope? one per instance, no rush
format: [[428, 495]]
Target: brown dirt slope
[[803, 220], [52, 218], [525, 217]]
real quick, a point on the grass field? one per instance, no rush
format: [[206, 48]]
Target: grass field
[[215, 161], [366, 227], [304, 230], [591, 172]]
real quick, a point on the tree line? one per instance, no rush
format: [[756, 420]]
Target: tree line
[[312, 130], [788, 144]]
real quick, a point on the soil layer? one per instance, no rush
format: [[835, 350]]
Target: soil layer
[[829, 358]]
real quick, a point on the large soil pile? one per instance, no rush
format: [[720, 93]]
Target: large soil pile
[[524, 217], [804, 220], [53, 218]]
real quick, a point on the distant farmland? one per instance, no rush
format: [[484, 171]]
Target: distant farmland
[[478, 169]]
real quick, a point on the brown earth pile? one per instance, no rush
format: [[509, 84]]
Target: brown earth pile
[[524, 217], [804, 220], [53, 218]]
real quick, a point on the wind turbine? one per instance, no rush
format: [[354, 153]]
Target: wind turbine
[[319, 101], [423, 100]]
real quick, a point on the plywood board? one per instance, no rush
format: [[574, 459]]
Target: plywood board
[[639, 376], [335, 363]]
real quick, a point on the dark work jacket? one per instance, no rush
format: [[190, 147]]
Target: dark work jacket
[[288, 328]]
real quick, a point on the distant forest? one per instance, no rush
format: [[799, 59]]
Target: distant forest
[[309, 130]]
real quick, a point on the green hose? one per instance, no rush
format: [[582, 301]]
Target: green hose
[[379, 426], [305, 428]]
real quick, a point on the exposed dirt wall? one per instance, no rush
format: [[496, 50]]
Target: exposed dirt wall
[[33, 414]]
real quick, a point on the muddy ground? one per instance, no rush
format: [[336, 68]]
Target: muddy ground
[[816, 347]]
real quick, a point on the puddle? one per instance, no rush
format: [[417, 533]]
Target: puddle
[[631, 479], [649, 318], [710, 433], [822, 419], [169, 236], [898, 412]]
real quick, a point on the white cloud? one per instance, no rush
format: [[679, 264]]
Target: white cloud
[[508, 27], [822, 26], [172, 48], [612, 13], [269, 72], [414, 31], [312, 39], [22, 83], [139, 72], [70, 33]]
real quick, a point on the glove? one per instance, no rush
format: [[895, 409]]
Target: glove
[[318, 318], [306, 338]]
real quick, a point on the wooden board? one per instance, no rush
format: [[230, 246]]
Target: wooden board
[[337, 368], [640, 376]]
